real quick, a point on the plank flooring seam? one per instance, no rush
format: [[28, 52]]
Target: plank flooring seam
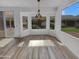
[[56, 51]]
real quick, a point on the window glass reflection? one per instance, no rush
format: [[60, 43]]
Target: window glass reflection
[[2, 32], [25, 22], [39, 23], [52, 22], [9, 20]]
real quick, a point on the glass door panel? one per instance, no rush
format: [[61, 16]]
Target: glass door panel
[[9, 20], [2, 31]]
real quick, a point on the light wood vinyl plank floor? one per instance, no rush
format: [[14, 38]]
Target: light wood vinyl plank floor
[[38, 52]]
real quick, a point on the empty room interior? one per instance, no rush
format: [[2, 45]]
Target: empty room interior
[[39, 29]]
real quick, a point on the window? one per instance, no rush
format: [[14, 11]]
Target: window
[[52, 22], [25, 22], [39, 24], [70, 20], [10, 22]]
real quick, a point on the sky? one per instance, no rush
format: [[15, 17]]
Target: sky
[[71, 10]]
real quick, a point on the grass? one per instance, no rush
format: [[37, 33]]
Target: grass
[[70, 29]]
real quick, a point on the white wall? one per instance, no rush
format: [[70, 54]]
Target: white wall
[[69, 41], [52, 33], [38, 32]]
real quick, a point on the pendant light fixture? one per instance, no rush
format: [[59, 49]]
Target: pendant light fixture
[[38, 15]]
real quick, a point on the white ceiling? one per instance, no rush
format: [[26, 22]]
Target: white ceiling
[[33, 3]]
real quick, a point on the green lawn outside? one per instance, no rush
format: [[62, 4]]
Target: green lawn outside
[[70, 29]]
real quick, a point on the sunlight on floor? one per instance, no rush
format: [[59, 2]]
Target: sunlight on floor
[[21, 44], [41, 43], [6, 41]]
